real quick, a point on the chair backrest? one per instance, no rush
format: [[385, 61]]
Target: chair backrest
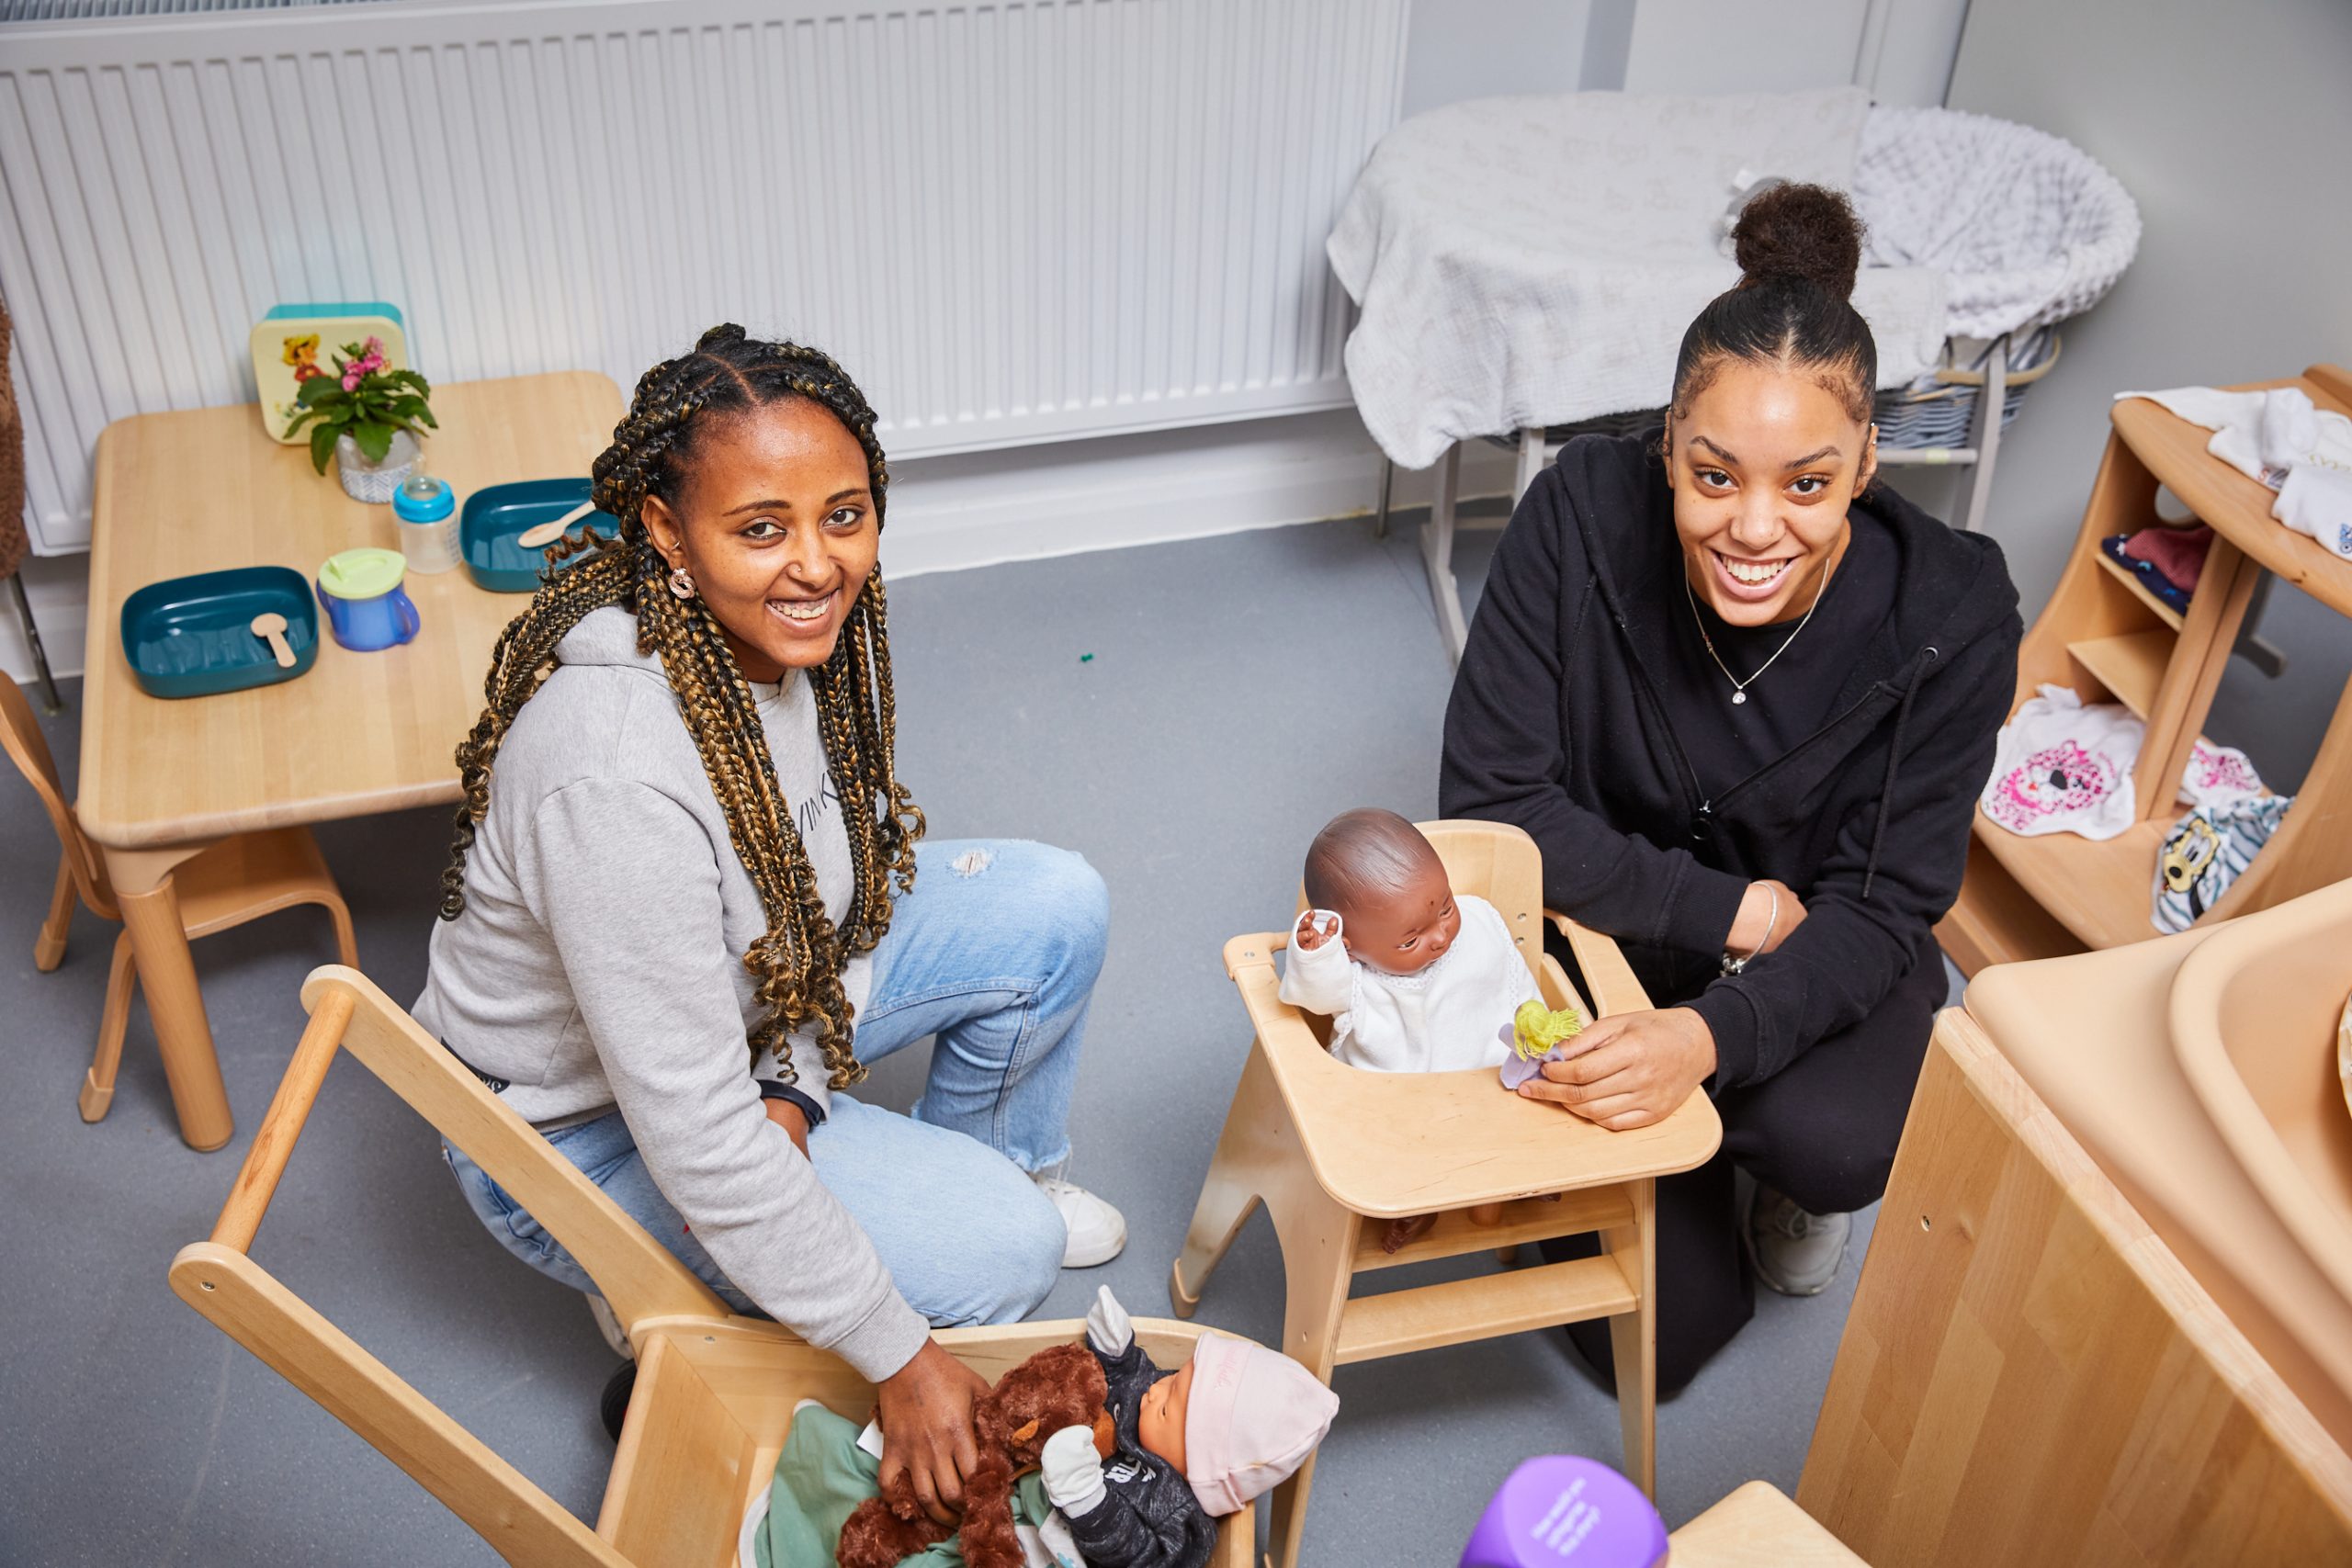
[[20, 737], [638, 1277]]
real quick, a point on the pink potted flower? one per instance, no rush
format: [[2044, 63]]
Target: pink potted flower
[[369, 417]]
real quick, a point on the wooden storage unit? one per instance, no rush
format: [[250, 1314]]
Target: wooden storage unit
[[2030, 1377], [2108, 638]]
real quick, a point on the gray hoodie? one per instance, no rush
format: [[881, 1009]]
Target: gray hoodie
[[599, 962]]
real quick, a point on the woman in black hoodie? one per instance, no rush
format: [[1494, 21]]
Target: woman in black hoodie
[[1744, 700]]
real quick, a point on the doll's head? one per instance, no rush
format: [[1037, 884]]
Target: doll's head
[[1244, 1419], [1385, 882]]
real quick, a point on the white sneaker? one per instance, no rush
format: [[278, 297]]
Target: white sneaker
[[1097, 1231], [1794, 1252], [610, 1327]]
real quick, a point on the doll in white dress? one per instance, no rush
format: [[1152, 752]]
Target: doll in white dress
[[1414, 978]]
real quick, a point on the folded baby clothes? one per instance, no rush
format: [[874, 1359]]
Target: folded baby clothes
[[2282, 439], [2218, 776], [2060, 767], [2168, 593], [2207, 849], [2177, 554]]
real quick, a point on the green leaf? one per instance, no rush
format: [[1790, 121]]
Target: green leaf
[[409, 378], [375, 439], [426, 415], [323, 445], [309, 393]]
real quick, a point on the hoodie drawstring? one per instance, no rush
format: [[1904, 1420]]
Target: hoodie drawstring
[[1893, 767]]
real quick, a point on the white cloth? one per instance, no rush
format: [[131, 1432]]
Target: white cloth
[[2278, 438], [2060, 766], [1447, 1017], [1531, 261], [2027, 229], [1107, 1327], [1071, 1469]]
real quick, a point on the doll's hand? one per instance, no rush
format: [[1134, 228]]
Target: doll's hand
[[1107, 1328], [1072, 1470], [1313, 928]]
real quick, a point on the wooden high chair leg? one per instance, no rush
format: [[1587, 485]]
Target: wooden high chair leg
[[122, 982], [49, 947], [1633, 1336], [1319, 1244], [347, 947], [1255, 1128]]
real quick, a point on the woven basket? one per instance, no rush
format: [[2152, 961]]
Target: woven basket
[[1939, 409]]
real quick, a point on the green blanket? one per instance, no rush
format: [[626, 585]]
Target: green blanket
[[822, 1475]]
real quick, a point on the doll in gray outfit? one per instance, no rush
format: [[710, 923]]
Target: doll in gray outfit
[[1192, 1446]]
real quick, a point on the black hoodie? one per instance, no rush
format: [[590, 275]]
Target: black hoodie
[[1556, 725]]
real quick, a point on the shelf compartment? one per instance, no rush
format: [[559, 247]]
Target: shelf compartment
[[2131, 666], [2122, 574], [2100, 889]]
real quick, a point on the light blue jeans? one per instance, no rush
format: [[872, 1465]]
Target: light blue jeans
[[999, 963]]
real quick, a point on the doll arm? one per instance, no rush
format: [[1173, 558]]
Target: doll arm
[[1072, 1472], [1107, 1328], [1320, 980]]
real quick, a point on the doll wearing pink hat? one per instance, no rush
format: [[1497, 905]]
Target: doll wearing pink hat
[[1193, 1445]]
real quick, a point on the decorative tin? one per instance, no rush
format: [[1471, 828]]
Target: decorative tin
[[294, 343]]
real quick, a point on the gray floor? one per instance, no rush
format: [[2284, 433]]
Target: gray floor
[[1175, 758]]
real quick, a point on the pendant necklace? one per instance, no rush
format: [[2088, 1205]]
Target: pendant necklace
[[1738, 686]]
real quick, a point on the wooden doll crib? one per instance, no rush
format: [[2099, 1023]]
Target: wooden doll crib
[[714, 1391]]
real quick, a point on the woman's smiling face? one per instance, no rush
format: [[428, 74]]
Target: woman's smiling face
[[776, 524], [1764, 464]]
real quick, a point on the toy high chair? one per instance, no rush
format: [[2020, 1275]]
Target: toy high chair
[[1334, 1152], [715, 1392]]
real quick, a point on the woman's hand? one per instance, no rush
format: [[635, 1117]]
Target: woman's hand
[[1631, 1069], [1756, 916], [786, 1115], [926, 1420]]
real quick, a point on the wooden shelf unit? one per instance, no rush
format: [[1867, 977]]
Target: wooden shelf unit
[[2107, 636]]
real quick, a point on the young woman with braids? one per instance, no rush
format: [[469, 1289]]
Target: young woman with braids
[[1744, 700], [688, 905]]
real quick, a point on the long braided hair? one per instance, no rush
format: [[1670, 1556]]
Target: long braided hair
[[799, 960]]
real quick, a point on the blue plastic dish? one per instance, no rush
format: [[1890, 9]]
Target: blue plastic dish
[[192, 637], [496, 517]]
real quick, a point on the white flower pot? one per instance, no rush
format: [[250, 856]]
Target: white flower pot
[[374, 483]]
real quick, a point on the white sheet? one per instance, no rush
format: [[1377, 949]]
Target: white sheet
[[1531, 261]]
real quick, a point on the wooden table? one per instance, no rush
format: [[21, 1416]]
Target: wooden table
[[358, 733]]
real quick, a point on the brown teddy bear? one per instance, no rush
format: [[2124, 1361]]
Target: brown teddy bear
[[1061, 1386]]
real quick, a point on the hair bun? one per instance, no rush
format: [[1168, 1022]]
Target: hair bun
[[1800, 232], [720, 336]]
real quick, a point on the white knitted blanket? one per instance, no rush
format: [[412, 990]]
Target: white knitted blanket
[[2029, 227], [1531, 261]]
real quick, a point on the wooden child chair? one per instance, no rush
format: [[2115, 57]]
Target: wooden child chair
[[229, 883], [1333, 1153], [715, 1392]]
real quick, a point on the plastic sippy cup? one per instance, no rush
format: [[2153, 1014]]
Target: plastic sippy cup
[[366, 609], [425, 513], [1564, 1512]]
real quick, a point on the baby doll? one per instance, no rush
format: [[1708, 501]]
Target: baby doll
[[1192, 1446], [1414, 979]]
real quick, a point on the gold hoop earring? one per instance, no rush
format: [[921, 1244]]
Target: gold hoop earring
[[682, 586]]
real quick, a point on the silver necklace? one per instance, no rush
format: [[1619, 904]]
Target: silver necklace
[[1738, 686]]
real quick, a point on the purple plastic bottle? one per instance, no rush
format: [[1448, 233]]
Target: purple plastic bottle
[[1558, 1511]]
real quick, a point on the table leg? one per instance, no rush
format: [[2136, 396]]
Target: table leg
[[1437, 554], [151, 913]]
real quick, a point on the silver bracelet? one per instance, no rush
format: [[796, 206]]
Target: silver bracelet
[[1736, 966]]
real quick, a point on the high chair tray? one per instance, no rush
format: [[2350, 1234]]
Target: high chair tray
[[192, 637], [496, 517]]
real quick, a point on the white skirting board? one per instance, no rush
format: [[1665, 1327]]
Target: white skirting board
[[983, 509]]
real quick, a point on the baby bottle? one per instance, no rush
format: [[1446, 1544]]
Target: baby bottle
[[425, 513], [366, 609], [1564, 1512]]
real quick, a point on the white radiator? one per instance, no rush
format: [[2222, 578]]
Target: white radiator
[[1013, 222]]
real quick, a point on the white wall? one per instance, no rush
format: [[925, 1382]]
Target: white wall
[[1480, 49]]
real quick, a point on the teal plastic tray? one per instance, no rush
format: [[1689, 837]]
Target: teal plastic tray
[[192, 637], [496, 517]]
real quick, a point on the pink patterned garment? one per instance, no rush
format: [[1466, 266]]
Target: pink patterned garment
[[2057, 778]]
